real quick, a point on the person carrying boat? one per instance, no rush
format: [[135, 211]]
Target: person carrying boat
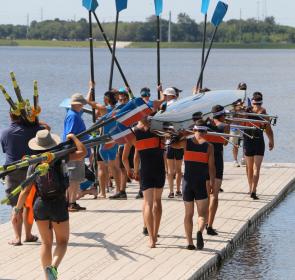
[[50, 206], [198, 162], [218, 142], [145, 94], [151, 175], [74, 124], [255, 148], [106, 154], [14, 142]]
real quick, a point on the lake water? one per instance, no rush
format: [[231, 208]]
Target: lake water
[[62, 72]]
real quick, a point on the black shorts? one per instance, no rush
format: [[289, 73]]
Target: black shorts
[[51, 210], [254, 147], [152, 180], [173, 153], [196, 191]]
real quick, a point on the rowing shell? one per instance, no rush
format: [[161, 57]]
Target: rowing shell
[[179, 114]]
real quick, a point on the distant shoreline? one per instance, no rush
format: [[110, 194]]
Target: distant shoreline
[[101, 44]]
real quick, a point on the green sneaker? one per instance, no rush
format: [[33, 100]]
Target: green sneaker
[[51, 272]]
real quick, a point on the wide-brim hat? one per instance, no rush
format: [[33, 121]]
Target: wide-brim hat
[[44, 140], [78, 99]]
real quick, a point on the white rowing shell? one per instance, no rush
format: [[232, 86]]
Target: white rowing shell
[[180, 113]]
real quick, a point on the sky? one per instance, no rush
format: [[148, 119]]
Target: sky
[[17, 11]]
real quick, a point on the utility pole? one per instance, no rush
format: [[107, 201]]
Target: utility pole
[[169, 28], [28, 25], [41, 16], [265, 8], [258, 10], [240, 25]]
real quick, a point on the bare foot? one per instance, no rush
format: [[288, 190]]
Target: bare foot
[[80, 194], [101, 196], [152, 244]]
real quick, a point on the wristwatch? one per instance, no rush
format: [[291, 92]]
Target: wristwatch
[[16, 210]]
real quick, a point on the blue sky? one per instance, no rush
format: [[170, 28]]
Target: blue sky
[[16, 11]]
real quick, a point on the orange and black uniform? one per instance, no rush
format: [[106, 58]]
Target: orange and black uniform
[[152, 167], [255, 146], [195, 172], [218, 143]]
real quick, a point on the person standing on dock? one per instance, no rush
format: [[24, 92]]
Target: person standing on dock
[[198, 162], [218, 142], [255, 148], [50, 206]]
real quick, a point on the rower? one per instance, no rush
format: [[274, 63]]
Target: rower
[[255, 148], [218, 143]]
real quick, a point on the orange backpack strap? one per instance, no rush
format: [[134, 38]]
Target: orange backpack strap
[[29, 204]]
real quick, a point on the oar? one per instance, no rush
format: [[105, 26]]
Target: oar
[[36, 110], [111, 51], [159, 9], [217, 18], [204, 10], [12, 105], [120, 5], [20, 99]]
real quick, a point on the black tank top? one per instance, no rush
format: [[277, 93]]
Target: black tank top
[[258, 133], [195, 157], [217, 141]]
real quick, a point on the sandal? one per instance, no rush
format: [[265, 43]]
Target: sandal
[[33, 238], [13, 243]]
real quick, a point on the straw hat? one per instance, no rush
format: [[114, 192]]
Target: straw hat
[[44, 140], [78, 99]]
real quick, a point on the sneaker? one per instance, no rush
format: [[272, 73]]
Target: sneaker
[[145, 231], [200, 241], [211, 231], [171, 195], [51, 272], [119, 196], [236, 163], [191, 247], [243, 162], [254, 196], [221, 190], [139, 195], [178, 193], [75, 207]]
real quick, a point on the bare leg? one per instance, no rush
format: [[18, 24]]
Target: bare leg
[[178, 165], [116, 173], [62, 232], [202, 206], [17, 229], [235, 153], [27, 226], [157, 211], [103, 178], [213, 205], [73, 191], [123, 179], [171, 172], [148, 196], [46, 245], [256, 172], [250, 166], [188, 221]]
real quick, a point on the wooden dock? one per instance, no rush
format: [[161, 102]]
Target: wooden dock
[[106, 241]]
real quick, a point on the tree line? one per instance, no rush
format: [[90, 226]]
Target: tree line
[[185, 29]]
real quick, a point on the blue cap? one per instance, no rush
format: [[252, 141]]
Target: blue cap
[[122, 90], [145, 92]]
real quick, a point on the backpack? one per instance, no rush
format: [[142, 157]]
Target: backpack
[[55, 183]]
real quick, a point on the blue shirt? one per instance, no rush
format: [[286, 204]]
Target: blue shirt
[[74, 124], [14, 141]]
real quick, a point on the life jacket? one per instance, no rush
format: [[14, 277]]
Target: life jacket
[[55, 183]]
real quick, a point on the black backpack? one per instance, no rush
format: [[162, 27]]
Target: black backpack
[[55, 183]]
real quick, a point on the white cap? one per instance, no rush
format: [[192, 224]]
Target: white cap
[[170, 91]]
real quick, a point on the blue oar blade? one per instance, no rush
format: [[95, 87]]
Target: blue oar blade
[[158, 7], [90, 5], [219, 13], [121, 5], [205, 6]]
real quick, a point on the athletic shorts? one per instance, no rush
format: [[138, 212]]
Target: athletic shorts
[[235, 140], [76, 171], [254, 148], [51, 210], [155, 180], [108, 154], [196, 191], [12, 181], [173, 153], [219, 166]]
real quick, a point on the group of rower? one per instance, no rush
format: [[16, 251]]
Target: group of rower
[[145, 158]]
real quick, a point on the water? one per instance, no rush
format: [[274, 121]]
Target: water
[[61, 72], [268, 253]]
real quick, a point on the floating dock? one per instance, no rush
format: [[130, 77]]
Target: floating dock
[[106, 241]]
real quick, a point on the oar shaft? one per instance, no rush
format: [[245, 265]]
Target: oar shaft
[[158, 55], [206, 58], [115, 58], [203, 48], [114, 52]]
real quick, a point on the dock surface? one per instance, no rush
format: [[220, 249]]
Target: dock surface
[[106, 240]]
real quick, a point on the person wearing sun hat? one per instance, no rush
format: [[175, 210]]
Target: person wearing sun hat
[[74, 124], [50, 205]]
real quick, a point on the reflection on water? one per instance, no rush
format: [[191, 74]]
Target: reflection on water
[[269, 252]]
